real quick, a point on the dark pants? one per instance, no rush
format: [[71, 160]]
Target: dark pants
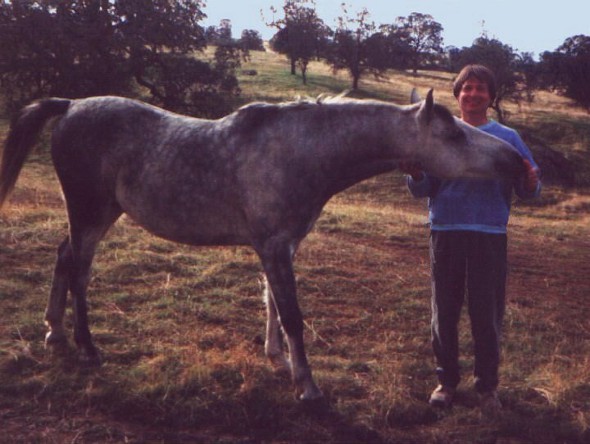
[[477, 262]]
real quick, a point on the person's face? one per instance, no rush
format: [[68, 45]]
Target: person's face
[[474, 97]]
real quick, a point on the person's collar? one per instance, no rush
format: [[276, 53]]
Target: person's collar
[[486, 125]]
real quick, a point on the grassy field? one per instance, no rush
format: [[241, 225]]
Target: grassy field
[[181, 329]]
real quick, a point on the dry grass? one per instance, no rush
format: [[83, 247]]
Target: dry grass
[[181, 329]]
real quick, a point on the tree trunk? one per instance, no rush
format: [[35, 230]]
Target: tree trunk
[[303, 67], [499, 112]]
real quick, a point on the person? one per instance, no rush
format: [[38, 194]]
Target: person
[[468, 248]]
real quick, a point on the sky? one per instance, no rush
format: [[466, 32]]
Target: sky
[[533, 26]]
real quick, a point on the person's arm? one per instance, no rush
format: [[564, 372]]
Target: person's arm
[[528, 185], [531, 182]]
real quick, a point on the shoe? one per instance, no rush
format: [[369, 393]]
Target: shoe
[[489, 405], [442, 396]]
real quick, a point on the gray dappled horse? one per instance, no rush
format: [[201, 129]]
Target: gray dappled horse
[[259, 176]]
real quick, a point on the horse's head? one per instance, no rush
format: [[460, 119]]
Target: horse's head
[[451, 148]]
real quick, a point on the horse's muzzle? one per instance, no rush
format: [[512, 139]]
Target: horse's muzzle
[[510, 165]]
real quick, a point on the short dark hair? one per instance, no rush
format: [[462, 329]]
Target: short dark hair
[[480, 72]]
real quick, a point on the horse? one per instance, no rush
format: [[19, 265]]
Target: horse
[[259, 177]]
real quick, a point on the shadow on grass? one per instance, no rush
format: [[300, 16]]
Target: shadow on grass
[[111, 403]]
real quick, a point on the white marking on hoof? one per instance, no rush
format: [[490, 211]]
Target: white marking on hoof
[[307, 389], [55, 341], [311, 393]]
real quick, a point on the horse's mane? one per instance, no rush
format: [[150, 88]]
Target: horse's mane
[[251, 116], [255, 114]]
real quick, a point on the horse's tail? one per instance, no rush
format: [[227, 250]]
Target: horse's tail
[[23, 134]]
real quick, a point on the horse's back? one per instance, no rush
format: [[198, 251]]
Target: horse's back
[[103, 119]]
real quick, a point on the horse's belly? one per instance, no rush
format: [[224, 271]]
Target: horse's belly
[[204, 222]]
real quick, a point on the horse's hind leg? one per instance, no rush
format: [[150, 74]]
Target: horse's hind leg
[[72, 272], [83, 254], [90, 217], [84, 239], [54, 313]]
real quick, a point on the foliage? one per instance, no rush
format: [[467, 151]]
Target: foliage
[[222, 34], [422, 36], [412, 42], [567, 69], [251, 40], [350, 46], [387, 48], [530, 80], [75, 49], [301, 35]]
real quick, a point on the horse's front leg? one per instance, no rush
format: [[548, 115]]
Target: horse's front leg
[[56, 339], [273, 345], [277, 262]]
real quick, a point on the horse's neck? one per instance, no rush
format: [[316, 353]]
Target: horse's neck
[[362, 151], [359, 172]]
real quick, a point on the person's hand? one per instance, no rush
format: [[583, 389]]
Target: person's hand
[[531, 176], [411, 167]]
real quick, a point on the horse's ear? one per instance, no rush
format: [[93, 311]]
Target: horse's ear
[[425, 111], [414, 96]]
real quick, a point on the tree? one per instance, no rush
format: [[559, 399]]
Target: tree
[[567, 69], [219, 35], [422, 36], [251, 41], [53, 48], [393, 47], [350, 46], [95, 47], [531, 79], [301, 34]]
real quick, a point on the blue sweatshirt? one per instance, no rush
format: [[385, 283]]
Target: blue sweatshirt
[[474, 204]]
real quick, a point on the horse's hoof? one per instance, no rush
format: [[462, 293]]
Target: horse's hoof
[[56, 343], [316, 407], [90, 359], [93, 361], [311, 394]]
